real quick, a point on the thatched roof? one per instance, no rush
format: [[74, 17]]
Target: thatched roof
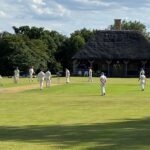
[[115, 45]]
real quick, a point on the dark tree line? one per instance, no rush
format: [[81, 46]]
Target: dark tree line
[[40, 48], [43, 49]]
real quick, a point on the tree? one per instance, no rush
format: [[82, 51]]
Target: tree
[[84, 33], [52, 39], [39, 48], [68, 49], [23, 53], [71, 45], [32, 33]]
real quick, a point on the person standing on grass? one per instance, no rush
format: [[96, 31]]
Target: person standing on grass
[[31, 72], [103, 80], [16, 75], [48, 78], [41, 77], [67, 76], [142, 79], [90, 75]]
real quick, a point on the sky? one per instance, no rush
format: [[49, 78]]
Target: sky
[[66, 16]]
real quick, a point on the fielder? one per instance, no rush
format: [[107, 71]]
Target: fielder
[[67, 76], [142, 71], [90, 79], [31, 72], [16, 75], [41, 77], [142, 79], [48, 78], [103, 80]]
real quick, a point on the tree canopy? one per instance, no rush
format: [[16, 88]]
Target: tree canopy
[[17, 51], [33, 46]]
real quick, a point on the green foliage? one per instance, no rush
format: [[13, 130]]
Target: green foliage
[[32, 33], [77, 42], [30, 46], [84, 33], [17, 51], [33, 46], [71, 45], [68, 49]]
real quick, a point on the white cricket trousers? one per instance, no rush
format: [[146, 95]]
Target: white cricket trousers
[[31, 77], [16, 79], [67, 80], [142, 85], [48, 82], [102, 89], [41, 84], [90, 79]]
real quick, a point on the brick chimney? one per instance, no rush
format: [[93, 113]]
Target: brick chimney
[[117, 25]]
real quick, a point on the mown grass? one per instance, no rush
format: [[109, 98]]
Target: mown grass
[[75, 116]]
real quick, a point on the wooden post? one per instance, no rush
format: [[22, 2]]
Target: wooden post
[[108, 67], [126, 67], [75, 64]]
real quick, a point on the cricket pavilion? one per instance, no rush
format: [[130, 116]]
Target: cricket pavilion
[[118, 53]]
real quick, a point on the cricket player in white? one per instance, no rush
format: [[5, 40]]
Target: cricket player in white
[[67, 76], [90, 75], [31, 72], [142, 71], [16, 75], [102, 83], [142, 81], [41, 77], [48, 78]]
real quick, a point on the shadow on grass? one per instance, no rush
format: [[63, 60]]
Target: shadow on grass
[[131, 134]]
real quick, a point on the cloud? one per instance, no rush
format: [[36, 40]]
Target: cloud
[[48, 10], [2, 14], [94, 2], [42, 9], [40, 2], [66, 16]]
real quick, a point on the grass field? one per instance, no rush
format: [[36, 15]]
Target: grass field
[[75, 116]]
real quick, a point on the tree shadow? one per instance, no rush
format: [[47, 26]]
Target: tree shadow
[[130, 134]]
